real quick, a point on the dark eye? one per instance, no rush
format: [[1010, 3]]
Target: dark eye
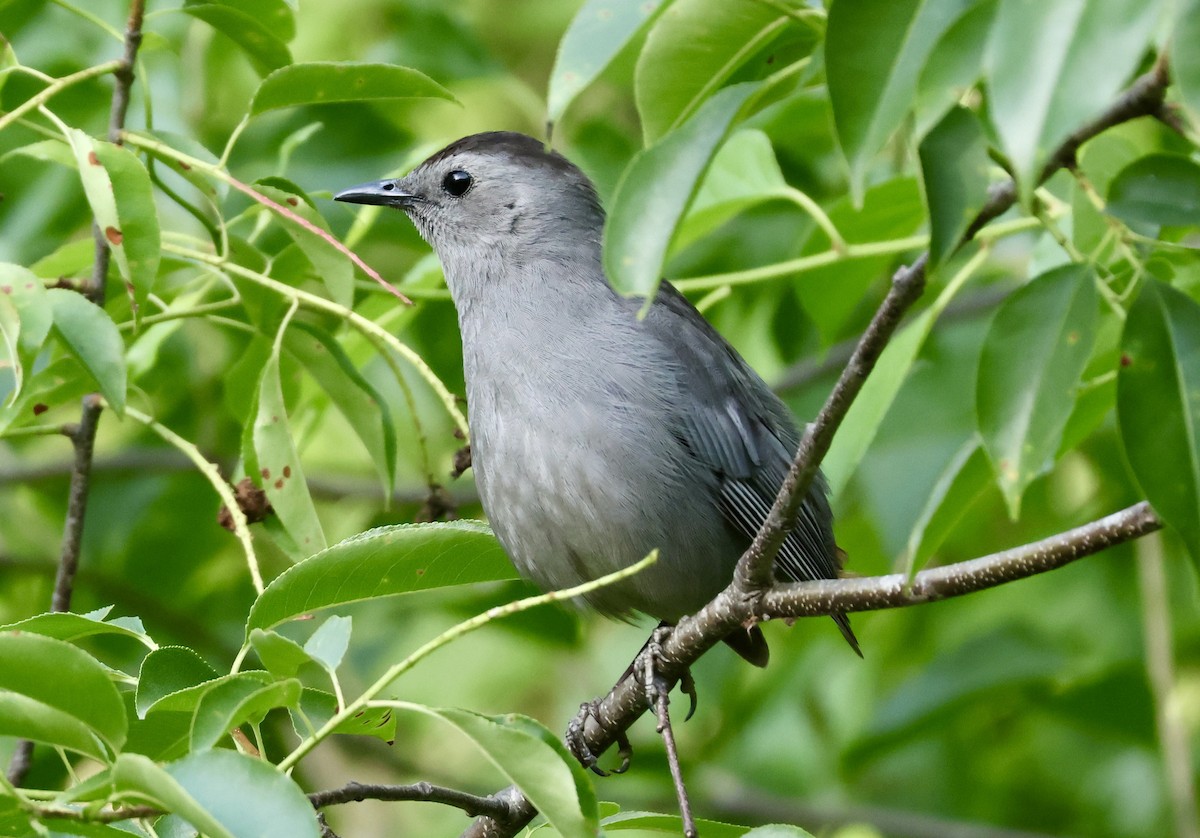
[[457, 183]]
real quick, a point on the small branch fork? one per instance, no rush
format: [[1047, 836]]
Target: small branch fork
[[754, 596], [83, 435]]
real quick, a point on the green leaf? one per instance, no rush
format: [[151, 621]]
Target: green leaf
[[654, 822], [1029, 371], [988, 666], [166, 671], [534, 760], [778, 830], [356, 398], [47, 151], [72, 627], [28, 295], [1158, 405], [318, 707], [743, 173], [868, 411], [954, 164], [692, 49], [953, 66], [957, 488], [1052, 66], [92, 337], [383, 562], [64, 678], [1159, 189], [1185, 58], [223, 794], [236, 701], [10, 355], [265, 51], [328, 644], [874, 53], [657, 187], [27, 718], [282, 656], [321, 82], [188, 698], [276, 15], [329, 264], [279, 465], [831, 294], [600, 30], [118, 189]]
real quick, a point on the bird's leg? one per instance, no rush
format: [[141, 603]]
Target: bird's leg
[[657, 693], [577, 741]]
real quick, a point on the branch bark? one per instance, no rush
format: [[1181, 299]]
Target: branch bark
[[753, 595]]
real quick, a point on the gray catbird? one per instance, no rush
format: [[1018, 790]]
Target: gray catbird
[[596, 435]]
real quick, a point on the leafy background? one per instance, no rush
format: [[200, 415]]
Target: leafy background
[[1048, 379]]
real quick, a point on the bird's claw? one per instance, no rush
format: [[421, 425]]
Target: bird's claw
[[577, 742], [654, 684]]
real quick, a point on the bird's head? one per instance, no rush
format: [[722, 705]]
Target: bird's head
[[490, 195]]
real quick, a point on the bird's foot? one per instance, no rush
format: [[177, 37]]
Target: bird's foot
[[646, 665], [576, 740], [657, 689]]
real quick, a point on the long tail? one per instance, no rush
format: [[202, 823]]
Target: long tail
[[843, 623]]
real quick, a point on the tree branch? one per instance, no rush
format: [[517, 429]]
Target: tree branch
[[352, 792], [752, 595]]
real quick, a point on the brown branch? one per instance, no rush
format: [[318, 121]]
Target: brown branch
[[352, 792], [695, 635], [750, 593], [83, 437]]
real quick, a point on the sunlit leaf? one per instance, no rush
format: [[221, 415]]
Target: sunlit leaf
[[656, 189], [279, 465], [874, 52], [63, 678], [693, 48], [597, 34], [72, 627], [320, 82], [328, 644], [384, 562], [1050, 67], [118, 189], [235, 702], [260, 44], [168, 670], [92, 337]]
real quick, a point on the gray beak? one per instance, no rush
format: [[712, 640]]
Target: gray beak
[[385, 193]]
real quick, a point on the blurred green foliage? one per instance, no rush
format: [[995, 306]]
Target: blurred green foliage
[[778, 160]]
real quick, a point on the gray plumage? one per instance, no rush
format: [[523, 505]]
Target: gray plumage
[[597, 436]]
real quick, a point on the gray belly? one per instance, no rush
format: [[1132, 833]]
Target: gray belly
[[571, 501]]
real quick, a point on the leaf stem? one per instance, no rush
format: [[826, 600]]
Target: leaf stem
[[448, 636], [58, 86], [240, 527]]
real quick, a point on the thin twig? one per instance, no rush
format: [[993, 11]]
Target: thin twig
[[667, 731], [352, 792]]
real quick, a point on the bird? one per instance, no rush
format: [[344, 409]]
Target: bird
[[600, 431]]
